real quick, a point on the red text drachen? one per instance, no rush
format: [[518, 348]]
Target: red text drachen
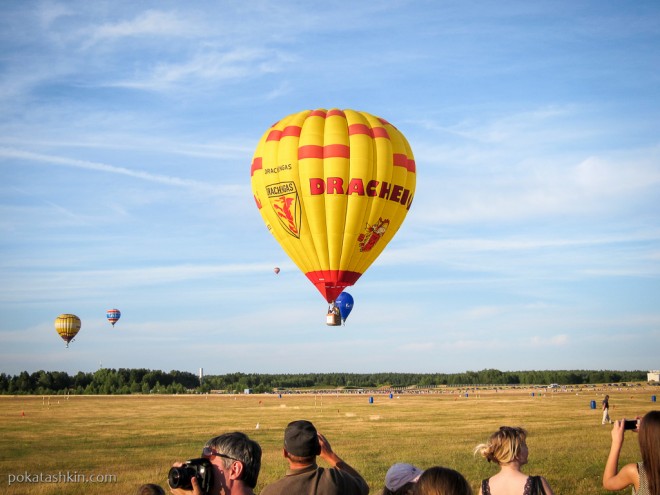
[[373, 188]]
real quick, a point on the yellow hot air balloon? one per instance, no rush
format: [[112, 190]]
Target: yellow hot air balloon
[[333, 187], [67, 326]]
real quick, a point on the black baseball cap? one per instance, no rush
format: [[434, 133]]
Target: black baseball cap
[[301, 439]]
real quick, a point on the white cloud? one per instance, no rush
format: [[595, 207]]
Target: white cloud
[[147, 23], [205, 68], [63, 283], [521, 191], [602, 177], [102, 167], [50, 12], [545, 341]]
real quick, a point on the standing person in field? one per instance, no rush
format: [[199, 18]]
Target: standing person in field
[[236, 461], [400, 479], [508, 448], [643, 476], [606, 410], [440, 480], [302, 443]]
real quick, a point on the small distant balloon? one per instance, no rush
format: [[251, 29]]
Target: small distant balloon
[[344, 302], [67, 326], [276, 270], [113, 315]]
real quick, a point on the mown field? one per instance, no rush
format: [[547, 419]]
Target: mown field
[[50, 445]]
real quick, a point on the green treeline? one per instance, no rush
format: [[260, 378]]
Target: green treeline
[[143, 381]]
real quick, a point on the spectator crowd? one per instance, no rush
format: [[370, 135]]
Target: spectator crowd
[[231, 462]]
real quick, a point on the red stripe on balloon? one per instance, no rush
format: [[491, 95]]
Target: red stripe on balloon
[[336, 113], [274, 135], [381, 132], [336, 151], [310, 151], [400, 160], [291, 130], [257, 164], [317, 113], [329, 151], [277, 135], [354, 129]]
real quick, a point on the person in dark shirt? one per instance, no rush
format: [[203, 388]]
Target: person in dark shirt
[[606, 410], [302, 444]]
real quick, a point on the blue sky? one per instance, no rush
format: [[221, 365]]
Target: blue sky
[[127, 131]]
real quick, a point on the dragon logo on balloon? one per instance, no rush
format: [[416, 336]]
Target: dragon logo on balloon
[[287, 206], [372, 234]]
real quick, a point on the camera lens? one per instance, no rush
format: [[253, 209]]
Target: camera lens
[[179, 477]]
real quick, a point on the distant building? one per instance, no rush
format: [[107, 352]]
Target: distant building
[[247, 391], [653, 376], [201, 376]]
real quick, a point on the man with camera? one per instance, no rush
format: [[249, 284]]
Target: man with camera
[[302, 443], [229, 465]]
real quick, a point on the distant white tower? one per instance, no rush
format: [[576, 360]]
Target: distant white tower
[[201, 375]]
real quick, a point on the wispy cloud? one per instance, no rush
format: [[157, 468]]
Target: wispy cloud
[[62, 284], [517, 191], [50, 12], [217, 66], [554, 340], [218, 189], [148, 23]]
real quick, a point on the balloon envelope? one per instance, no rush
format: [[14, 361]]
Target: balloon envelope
[[344, 302], [67, 326], [276, 270], [333, 187], [113, 315]]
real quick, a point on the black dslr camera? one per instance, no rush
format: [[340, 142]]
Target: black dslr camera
[[202, 469]]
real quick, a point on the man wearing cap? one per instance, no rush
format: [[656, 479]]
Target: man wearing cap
[[401, 478], [302, 443]]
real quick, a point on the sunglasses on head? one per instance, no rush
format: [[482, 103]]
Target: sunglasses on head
[[211, 452]]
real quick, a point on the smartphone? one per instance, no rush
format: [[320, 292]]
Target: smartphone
[[629, 424]]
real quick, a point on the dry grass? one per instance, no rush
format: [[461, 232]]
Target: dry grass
[[137, 438]]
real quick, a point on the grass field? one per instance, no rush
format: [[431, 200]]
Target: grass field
[[50, 445]]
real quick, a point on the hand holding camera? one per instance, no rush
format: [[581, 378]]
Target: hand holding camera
[[182, 476]]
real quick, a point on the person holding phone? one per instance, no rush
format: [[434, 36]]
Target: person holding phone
[[643, 476]]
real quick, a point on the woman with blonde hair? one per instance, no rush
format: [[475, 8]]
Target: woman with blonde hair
[[643, 476], [508, 448]]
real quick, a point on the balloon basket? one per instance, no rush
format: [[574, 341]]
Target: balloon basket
[[333, 319]]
